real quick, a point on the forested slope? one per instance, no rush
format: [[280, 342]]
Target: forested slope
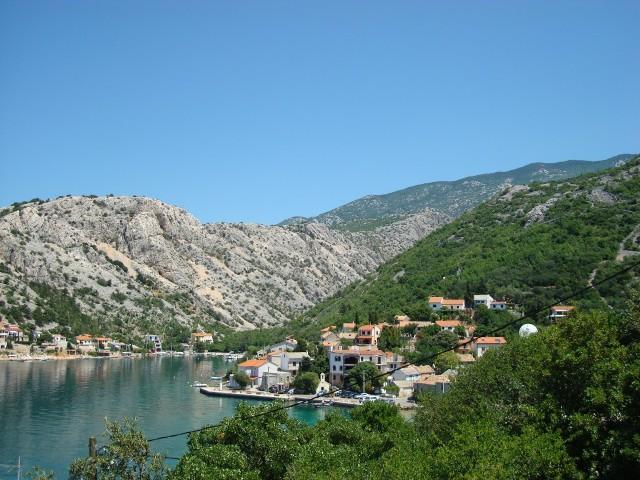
[[530, 245]]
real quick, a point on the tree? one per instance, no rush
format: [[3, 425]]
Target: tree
[[390, 338], [306, 382], [427, 347], [445, 361], [242, 379], [128, 456], [364, 372]]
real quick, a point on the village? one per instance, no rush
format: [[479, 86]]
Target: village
[[349, 359]]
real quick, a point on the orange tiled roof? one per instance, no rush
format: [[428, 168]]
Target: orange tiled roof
[[453, 301], [253, 363], [448, 323], [562, 308], [435, 299]]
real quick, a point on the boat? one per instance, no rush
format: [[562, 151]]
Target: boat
[[199, 384]]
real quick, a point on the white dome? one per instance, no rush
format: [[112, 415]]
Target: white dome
[[527, 329]]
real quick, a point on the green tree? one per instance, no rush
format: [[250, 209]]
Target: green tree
[[242, 379], [390, 338], [306, 382], [364, 372], [445, 361], [427, 347], [128, 456]]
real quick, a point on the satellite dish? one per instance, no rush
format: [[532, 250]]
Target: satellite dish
[[527, 329]]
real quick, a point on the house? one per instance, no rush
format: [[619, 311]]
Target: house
[[342, 360], [481, 345], [86, 343], [350, 336], [201, 337], [464, 346], [498, 305], [58, 343], [348, 327], [3, 340], [408, 374], [329, 336], [401, 318], [288, 343], [329, 346], [394, 360], [274, 357], [465, 358], [434, 384], [282, 380], [405, 387], [13, 331], [368, 335], [424, 371], [290, 361], [484, 299], [255, 369], [449, 325], [103, 343], [441, 303], [154, 341], [560, 311]]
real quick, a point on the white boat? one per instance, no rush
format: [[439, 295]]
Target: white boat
[[199, 384]]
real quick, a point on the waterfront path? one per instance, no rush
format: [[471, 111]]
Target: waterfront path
[[265, 396]]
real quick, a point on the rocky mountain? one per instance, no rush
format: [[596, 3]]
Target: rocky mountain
[[450, 198], [130, 261]]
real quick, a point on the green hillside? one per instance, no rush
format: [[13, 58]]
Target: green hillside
[[531, 246], [452, 197]]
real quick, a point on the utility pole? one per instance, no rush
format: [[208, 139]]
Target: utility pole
[[93, 454]]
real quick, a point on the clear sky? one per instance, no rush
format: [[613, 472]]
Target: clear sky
[[259, 110]]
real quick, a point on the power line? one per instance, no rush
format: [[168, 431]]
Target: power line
[[530, 316]]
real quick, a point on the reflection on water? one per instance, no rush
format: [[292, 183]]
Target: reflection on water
[[48, 410]]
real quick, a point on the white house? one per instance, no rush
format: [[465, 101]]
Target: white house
[[484, 299], [440, 303], [201, 337], [86, 343], [255, 369], [154, 340], [3, 340], [560, 311], [482, 345], [290, 361], [368, 335]]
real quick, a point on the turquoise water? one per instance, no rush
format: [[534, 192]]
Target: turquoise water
[[48, 410]]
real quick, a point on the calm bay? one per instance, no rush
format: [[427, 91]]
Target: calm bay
[[48, 410]]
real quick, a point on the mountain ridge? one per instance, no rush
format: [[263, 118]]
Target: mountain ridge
[[451, 197]]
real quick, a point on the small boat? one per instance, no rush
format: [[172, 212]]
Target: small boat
[[199, 384]]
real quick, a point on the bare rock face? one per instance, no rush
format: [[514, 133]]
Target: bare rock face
[[127, 250]]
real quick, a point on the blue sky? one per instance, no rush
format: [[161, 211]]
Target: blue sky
[[256, 111]]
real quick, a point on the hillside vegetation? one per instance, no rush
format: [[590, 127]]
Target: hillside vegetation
[[530, 245]]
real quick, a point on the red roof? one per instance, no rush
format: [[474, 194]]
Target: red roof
[[435, 299]]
